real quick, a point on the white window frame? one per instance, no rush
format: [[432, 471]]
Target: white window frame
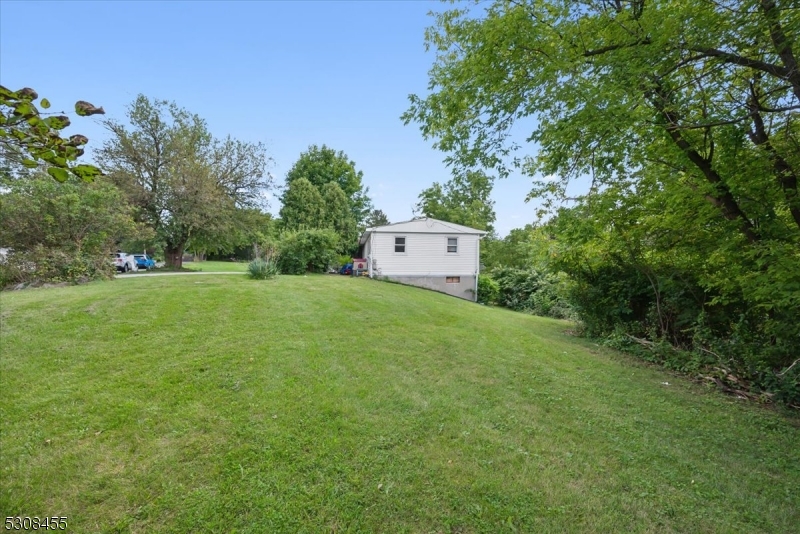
[[395, 245], [447, 245]]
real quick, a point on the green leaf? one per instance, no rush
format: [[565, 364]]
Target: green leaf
[[30, 163], [44, 103], [85, 172], [24, 109], [50, 157], [58, 173], [58, 122], [85, 109]]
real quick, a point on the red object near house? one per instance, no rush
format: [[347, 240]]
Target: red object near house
[[360, 264]]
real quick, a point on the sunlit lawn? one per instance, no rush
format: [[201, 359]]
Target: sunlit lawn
[[216, 266], [333, 404]]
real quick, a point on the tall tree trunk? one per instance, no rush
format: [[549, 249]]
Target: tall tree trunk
[[173, 254]]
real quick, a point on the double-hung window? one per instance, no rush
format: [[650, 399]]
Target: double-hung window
[[400, 245], [452, 245]]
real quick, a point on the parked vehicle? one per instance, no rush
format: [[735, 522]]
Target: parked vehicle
[[124, 262], [143, 261], [347, 268]]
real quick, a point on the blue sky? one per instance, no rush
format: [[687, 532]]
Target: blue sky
[[290, 74]]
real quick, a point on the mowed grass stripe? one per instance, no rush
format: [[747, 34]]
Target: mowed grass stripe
[[216, 266], [326, 403]]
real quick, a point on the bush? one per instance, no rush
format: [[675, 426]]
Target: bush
[[551, 298], [61, 232], [42, 264], [488, 289], [533, 292], [260, 269], [686, 327], [304, 251]]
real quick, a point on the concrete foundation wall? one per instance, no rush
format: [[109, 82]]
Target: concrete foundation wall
[[465, 289]]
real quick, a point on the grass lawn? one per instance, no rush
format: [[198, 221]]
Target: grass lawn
[[216, 266], [333, 404]]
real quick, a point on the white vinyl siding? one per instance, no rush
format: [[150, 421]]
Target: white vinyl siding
[[425, 255]]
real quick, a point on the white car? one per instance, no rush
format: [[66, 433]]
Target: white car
[[124, 262]]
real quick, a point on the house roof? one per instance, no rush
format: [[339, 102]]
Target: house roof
[[423, 225]]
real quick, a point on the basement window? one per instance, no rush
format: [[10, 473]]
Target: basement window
[[452, 245], [399, 245], [453, 279]]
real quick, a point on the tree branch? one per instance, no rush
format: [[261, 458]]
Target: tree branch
[[735, 59], [782, 45], [789, 368], [724, 199], [611, 48], [787, 178]]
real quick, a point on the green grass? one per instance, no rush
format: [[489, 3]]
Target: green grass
[[216, 266], [333, 404]]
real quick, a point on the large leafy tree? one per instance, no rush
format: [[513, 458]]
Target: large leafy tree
[[464, 199], [522, 248], [303, 206], [706, 90], [338, 216], [248, 231], [307, 207], [183, 181], [31, 138], [321, 165]]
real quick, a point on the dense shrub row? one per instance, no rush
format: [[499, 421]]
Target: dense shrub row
[[526, 290], [60, 232], [663, 309], [47, 265], [668, 317]]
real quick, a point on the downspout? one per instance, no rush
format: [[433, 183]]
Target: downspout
[[477, 266], [369, 256]]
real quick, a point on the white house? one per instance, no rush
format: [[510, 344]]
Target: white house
[[425, 252]]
